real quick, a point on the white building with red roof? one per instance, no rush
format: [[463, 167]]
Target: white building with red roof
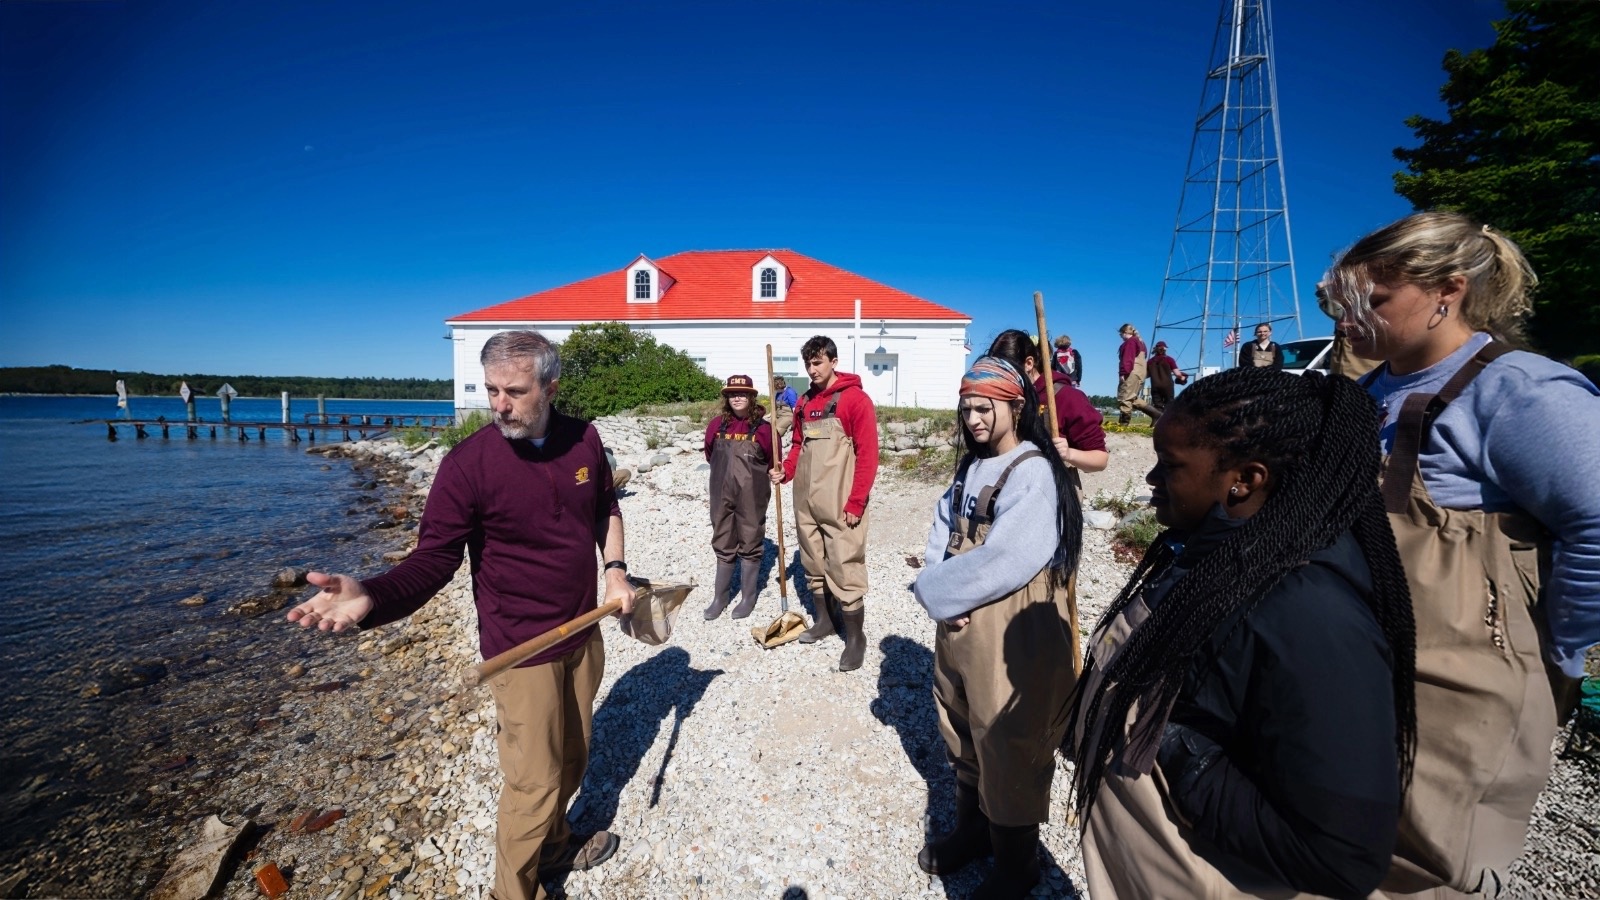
[[722, 307]]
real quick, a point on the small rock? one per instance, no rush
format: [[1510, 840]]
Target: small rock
[[355, 873], [324, 820], [294, 671], [289, 577], [196, 600]]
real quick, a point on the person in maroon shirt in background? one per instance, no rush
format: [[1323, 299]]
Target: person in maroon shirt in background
[[1130, 372], [1164, 372], [530, 501], [1082, 444], [739, 448]]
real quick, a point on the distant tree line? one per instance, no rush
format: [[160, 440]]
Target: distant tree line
[[67, 380]]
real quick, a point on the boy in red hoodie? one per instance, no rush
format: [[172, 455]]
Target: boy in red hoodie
[[833, 461]]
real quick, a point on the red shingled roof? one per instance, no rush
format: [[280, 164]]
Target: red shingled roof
[[715, 284]]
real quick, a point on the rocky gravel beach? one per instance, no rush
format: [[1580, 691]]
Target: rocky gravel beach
[[727, 770]]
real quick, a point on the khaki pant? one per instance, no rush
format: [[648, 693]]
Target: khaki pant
[[1128, 390], [545, 714], [1002, 684], [834, 555]]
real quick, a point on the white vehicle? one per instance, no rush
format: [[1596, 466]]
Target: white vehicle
[[1304, 355], [1307, 355]]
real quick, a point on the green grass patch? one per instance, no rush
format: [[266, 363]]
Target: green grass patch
[[1135, 535], [1121, 503], [459, 432]]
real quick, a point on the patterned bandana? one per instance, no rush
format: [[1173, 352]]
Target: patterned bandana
[[994, 378]]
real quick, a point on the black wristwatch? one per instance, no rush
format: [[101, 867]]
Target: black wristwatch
[[617, 564]]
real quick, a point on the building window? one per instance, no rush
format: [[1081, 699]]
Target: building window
[[787, 366], [699, 361], [769, 282], [641, 285]]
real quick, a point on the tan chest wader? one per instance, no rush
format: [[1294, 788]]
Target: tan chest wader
[[1134, 845], [1128, 390], [740, 491], [1003, 681], [1261, 358], [833, 554], [1486, 701]]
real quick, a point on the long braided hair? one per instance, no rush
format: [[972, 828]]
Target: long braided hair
[[1317, 436], [1031, 426]]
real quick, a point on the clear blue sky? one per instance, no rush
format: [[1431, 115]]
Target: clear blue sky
[[311, 188]]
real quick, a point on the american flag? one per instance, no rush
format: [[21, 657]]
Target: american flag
[[1231, 339]]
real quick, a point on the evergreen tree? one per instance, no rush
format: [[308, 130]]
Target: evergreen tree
[[1520, 150]]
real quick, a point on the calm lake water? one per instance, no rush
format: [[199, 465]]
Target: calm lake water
[[99, 540]]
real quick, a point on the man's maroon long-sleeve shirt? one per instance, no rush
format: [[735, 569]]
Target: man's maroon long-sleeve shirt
[[530, 519]]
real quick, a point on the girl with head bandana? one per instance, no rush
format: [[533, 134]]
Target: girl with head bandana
[[1004, 541]]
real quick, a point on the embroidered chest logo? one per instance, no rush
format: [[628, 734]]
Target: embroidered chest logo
[[581, 476], [736, 437]]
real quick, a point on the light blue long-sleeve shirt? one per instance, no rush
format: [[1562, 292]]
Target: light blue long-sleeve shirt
[[1022, 540], [1525, 434]]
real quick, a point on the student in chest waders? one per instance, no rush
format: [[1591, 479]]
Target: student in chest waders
[[1492, 483], [833, 461], [739, 448], [1245, 724], [1004, 542]]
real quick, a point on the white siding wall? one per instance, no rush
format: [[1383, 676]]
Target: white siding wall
[[930, 356]]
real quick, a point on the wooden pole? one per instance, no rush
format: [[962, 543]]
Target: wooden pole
[[1049, 376], [526, 650], [777, 489], [1055, 432]]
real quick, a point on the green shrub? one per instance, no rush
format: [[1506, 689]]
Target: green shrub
[[607, 368], [1135, 535], [412, 437], [457, 433], [1121, 503], [931, 464]]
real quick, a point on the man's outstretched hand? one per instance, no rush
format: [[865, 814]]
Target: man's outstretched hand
[[342, 603]]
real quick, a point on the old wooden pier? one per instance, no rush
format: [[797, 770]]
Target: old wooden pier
[[342, 424]]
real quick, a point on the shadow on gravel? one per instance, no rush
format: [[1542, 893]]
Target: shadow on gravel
[[905, 703], [625, 728]]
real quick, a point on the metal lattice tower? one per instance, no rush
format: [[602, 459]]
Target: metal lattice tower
[[1231, 264]]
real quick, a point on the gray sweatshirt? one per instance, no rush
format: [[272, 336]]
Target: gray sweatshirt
[[1524, 435], [1021, 541]]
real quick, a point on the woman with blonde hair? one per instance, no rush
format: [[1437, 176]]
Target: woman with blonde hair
[[1130, 371], [1492, 484]]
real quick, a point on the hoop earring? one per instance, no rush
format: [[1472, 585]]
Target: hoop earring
[[1233, 491]]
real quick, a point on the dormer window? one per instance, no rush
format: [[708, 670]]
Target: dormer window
[[646, 282], [769, 280]]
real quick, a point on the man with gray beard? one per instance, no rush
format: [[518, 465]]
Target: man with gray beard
[[530, 501]]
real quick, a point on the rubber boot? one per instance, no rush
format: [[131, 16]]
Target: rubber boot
[[724, 590], [1016, 863], [1125, 419], [855, 640], [823, 625], [966, 843], [750, 584]]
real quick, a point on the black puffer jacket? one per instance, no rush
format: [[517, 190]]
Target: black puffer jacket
[[1280, 752]]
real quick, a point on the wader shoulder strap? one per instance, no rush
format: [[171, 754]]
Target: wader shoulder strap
[[722, 428], [983, 511], [1416, 418]]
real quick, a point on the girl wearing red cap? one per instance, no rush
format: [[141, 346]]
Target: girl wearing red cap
[[739, 447]]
